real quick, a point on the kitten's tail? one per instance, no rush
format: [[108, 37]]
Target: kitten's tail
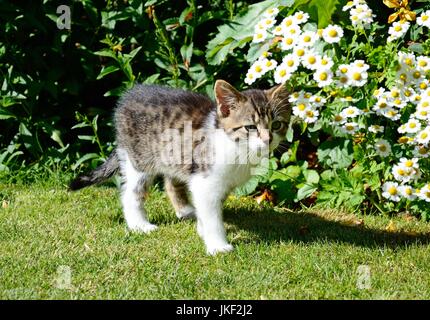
[[98, 175]]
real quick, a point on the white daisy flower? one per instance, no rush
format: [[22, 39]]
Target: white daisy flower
[[301, 17], [422, 114], [282, 73], [260, 36], [288, 43], [382, 147], [258, 68], [412, 126], [311, 116], [292, 31], [299, 52], [288, 22], [349, 128], [374, 128], [332, 33], [378, 92], [397, 30], [423, 63], [278, 30], [271, 12], [421, 152], [423, 137], [391, 114], [357, 76], [424, 19], [407, 192], [250, 78], [326, 62], [311, 60], [308, 39], [300, 109], [323, 77], [424, 193], [317, 101], [267, 23], [268, 64], [390, 191], [338, 120], [292, 62], [410, 163], [351, 112]]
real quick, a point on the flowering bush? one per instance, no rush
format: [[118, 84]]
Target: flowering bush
[[366, 86]]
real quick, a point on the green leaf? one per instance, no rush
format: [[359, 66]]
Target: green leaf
[[306, 191], [337, 153], [107, 70], [311, 176], [86, 157]]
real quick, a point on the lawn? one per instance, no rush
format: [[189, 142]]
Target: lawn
[[60, 245]]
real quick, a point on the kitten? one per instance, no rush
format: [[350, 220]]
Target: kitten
[[197, 145]]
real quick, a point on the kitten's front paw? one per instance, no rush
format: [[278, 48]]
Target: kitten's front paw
[[143, 228], [221, 248]]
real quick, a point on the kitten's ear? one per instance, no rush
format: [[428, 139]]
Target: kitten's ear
[[226, 97], [278, 92]]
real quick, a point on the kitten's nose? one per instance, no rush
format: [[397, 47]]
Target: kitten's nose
[[266, 136]]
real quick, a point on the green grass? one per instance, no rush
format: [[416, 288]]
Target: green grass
[[278, 254]]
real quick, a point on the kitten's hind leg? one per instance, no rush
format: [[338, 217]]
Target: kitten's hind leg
[[177, 192], [135, 186]]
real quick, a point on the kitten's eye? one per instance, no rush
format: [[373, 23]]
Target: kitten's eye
[[250, 127], [276, 125]]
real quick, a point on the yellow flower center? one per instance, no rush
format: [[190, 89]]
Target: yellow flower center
[[423, 63], [392, 190], [338, 118], [258, 69], [424, 18], [301, 107], [312, 60], [409, 163], [349, 127], [401, 172], [290, 63], [423, 85], [307, 39], [395, 94], [424, 135], [344, 70], [408, 191], [403, 140], [356, 76], [382, 147], [332, 33], [288, 22], [259, 35], [417, 74], [382, 105], [282, 73], [289, 41], [397, 28], [408, 61], [300, 52], [300, 16], [323, 76], [412, 125]]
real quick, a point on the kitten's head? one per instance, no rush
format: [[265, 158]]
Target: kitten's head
[[260, 117]]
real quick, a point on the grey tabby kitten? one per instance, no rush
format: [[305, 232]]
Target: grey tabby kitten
[[198, 146]]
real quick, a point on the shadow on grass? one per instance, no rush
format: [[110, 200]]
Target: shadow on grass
[[271, 226]]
